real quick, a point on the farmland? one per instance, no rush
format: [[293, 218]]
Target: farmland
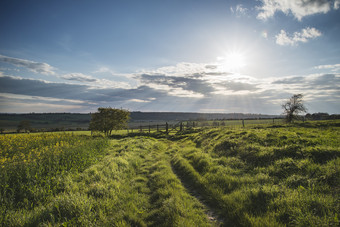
[[269, 175]]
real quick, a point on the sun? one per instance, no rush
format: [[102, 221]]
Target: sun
[[233, 61]]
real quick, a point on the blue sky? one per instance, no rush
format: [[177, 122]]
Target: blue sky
[[185, 55]]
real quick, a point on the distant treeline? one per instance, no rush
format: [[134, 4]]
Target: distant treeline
[[77, 121], [138, 116], [180, 116], [322, 116]]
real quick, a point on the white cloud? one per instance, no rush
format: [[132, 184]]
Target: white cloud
[[239, 10], [139, 100], [96, 83], [9, 96], [104, 69], [123, 80], [180, 92], [197, 80], [181, 69], [79, 77], [36, 67], [307, 33], [104, 83], [298, 8], [333, 68], [25, 107]]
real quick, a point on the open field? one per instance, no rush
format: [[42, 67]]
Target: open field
[[267, 175]]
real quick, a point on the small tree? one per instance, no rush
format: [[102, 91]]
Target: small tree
[[24, 125], [108, 119], [293, 106]]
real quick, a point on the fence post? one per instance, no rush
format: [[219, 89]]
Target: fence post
[[273, 120], [243, 123], [181, 127], [166, 127]]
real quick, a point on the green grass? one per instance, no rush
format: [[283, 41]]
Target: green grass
[[274, 175], [267, 176]]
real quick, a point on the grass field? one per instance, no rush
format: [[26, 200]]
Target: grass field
[[77, 124], [272, 175]]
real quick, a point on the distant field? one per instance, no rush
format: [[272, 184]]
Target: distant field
[[262, 175], [9, 122], [76, 121]]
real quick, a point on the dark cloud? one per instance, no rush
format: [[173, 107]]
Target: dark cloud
[[78, 77], [322, 82], [74, 91], [197, 75], [292, 80], [239, 86], [36, 67], [190, 84], [211, 66], [41, 88], [218, 74], [327, 79], [330, 81]]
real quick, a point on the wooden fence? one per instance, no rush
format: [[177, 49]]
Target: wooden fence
[[185, 125], [167, 128]]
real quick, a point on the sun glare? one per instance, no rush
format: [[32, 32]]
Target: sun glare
[[233, 61]]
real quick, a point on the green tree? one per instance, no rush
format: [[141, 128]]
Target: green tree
[[293, 106], [24, 125], [108, 119]]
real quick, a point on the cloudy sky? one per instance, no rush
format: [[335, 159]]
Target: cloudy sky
[[169, 55]]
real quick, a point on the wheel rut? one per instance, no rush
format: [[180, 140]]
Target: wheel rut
[[211, 213]]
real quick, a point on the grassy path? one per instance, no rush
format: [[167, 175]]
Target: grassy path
[[134, 185], [211, 212]]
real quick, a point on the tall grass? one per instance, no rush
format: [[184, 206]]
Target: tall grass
[[33, 165]]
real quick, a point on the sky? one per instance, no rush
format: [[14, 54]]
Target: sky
[[212, 56]]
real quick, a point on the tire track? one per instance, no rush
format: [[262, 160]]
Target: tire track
[[212, 214]]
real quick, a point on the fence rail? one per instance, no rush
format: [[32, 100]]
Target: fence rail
[[185, 125]]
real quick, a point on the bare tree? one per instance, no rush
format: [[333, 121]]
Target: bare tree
[[293, 106]]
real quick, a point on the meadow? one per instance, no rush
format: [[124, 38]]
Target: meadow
[[262, 175]]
